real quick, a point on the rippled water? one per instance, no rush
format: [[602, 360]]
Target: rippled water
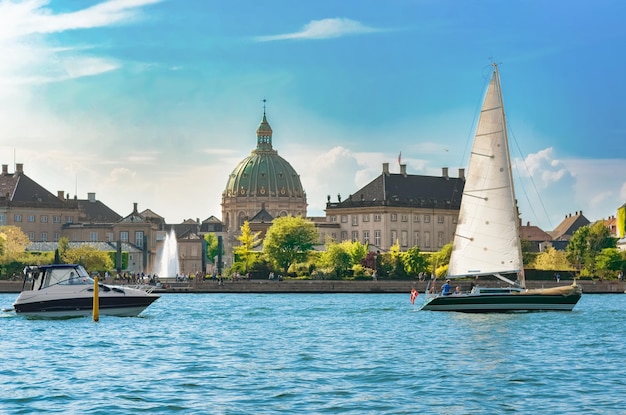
[[325, 353]]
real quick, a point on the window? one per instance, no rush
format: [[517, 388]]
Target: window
[[44, 236], [377, 238], [31, 218], [355, 236], [139, 238], [394, 217], [416, 218], [344, 235], [454, 219], [31, 236], [333, 235], [124, 236], [57, 236], [109, 236], [376, 217], [405, 218], [426, 239], [439, 239], [366, 218], [439, 219], [426, 218], [394, 237], [366, 237], [3, 219], [355, 220], [74, 237], [17, 218], [43, 218], [416, 239], [332, 219], [93, 236], [344, 218], [404, 238], [56, 219], [69, 219]]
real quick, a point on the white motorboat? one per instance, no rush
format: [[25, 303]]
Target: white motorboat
[[66, 290]]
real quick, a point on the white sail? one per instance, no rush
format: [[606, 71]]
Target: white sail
[[487, 234]]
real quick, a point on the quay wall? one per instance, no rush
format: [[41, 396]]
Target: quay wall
[[332, 286]]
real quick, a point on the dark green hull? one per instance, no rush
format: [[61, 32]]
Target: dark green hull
[[490, 303]]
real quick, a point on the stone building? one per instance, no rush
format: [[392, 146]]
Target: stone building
[[263, 185], [412, 210]]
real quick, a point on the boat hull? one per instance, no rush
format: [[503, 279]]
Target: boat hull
[[514, 302], [126, 306]]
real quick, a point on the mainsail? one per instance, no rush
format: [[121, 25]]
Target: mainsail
[[487, 234]]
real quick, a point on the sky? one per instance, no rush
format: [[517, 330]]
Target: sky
[[155, 102]]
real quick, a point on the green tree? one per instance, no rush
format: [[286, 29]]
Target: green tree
[[585, 245], [608, 262], [90, 258], [552, 259], [63, 247], [396, 261], [14, 242], [288, 240], [337, 257], [212, 248], [357, 251], [248, 241], [439, 260], [414, 261]]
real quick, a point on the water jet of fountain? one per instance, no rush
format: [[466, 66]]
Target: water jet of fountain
[[167, 265]]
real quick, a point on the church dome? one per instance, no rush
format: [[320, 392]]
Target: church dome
[[264, 174]]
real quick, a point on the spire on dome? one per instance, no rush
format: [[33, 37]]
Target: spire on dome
[[264, 133]]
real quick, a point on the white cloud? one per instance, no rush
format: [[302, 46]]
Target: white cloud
[[324, 29], [25, 25]]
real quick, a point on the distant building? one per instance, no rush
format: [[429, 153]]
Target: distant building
[[570, 224], [539, 239], [413, 210], [261, 187]]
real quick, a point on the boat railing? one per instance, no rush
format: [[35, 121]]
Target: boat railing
[[143, 287]]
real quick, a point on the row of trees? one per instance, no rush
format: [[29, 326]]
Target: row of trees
[[289, 248], [13, 254]]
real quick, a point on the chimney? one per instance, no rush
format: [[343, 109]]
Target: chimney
[[60, 194], [444, 172], [92, 197], [135, 207], [19, 168], [462, 174], [527, 223], [403, 170], [5, 169], [386, 169]]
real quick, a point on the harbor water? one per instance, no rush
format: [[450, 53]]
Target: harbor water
[[316, 354]]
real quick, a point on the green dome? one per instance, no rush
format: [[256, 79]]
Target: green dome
[[264, 173]]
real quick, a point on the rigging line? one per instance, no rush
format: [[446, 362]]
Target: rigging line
[[532, 181]]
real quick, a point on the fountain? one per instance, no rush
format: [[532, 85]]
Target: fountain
[[167, 264]]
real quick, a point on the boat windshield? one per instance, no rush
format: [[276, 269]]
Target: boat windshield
[[66, 276]]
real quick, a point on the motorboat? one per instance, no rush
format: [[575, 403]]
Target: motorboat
[[67, 290]]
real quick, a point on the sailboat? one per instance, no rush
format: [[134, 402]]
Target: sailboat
[[487, 237]]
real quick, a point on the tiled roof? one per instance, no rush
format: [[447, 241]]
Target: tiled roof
[[569, 225], [98, 212], [407, 190], [20, 189]]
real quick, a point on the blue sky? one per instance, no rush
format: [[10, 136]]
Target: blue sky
[[132, 99]]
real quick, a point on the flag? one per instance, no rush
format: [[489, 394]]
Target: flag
[[414, 295], [400, 159]]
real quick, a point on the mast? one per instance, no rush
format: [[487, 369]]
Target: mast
[[520, 273]]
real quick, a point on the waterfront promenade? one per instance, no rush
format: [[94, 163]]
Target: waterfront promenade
[[336, 286]]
